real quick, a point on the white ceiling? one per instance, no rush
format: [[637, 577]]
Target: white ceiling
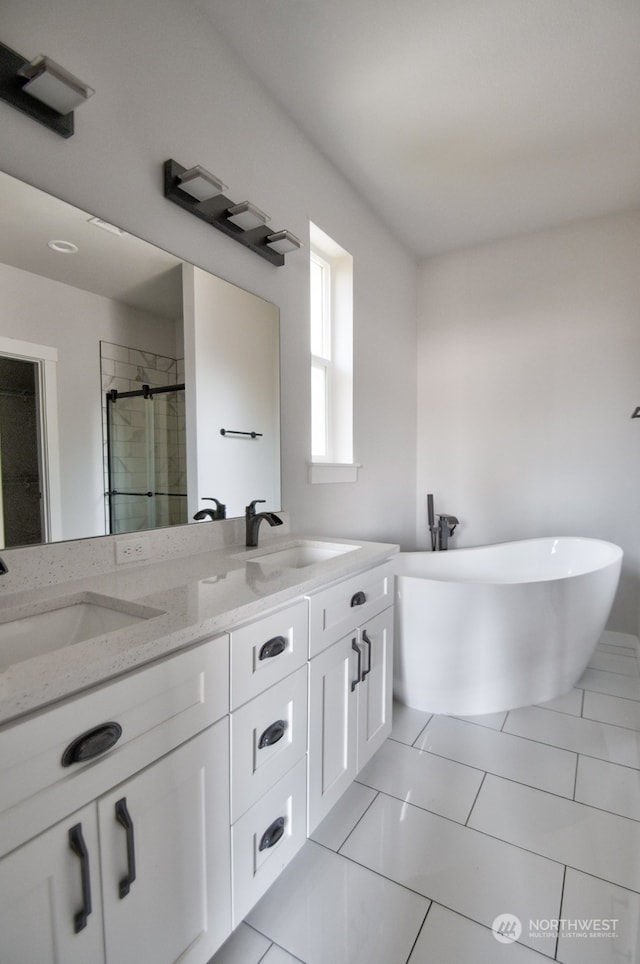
[[459, 121], [123, 268]]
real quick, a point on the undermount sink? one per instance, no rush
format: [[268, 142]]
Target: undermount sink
[[71, 620], [301, 555]]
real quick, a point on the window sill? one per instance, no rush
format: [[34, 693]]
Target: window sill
[[328, 472]]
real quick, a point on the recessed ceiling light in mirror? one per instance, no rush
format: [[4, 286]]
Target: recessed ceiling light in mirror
[[63, 247]]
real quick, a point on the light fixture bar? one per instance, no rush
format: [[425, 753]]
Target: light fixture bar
[[215, 212]]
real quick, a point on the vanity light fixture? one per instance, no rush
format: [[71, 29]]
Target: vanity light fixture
[[42, 89], [247, 216], [199, 192], [283, 241], [54, 86], [201, 184]]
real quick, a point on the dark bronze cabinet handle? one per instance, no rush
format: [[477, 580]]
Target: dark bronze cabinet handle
[[358, 599], [77, 844], [124, 818], [272, 734], [92, 743], [272, 647], [272, 834], [356, 649], [367, 640]]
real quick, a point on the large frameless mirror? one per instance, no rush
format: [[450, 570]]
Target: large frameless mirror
[[135, 389]]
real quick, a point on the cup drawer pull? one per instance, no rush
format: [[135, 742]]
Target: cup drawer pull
[[92, 743], [358, 599], [273, 647], [272, 834], [272, 734]]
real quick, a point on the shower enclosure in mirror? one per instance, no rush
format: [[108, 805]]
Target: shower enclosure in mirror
[[65, 302], [146, 458]]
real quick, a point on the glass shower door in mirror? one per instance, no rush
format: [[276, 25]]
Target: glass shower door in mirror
[[146, 458]]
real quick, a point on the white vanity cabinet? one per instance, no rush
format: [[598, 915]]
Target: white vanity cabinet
[[143, 867], [268, 750], [350, 683]]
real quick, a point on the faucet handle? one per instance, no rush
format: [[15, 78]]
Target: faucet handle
[[220, 510], [251, 508]]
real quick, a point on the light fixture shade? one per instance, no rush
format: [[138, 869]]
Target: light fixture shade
[[247, 216], [283, 241], [200, 183], [50, 83]]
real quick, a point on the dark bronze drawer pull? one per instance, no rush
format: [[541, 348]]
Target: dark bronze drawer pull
[[358, 599], [79, 847], [272, 834], [272, 734], [124, 818], [272, 647], [92, 743]]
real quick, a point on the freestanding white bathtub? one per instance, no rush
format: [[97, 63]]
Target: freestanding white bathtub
[[497, 627]]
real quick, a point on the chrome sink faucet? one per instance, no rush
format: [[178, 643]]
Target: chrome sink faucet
[[253, 520]]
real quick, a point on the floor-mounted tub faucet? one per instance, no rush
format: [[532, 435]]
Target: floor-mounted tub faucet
[[446, 527], [443, 530]]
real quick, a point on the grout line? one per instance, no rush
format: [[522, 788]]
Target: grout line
[[420, 929], [423, 729], [466, 823], [564, 879], [366, 810], [575, 777]]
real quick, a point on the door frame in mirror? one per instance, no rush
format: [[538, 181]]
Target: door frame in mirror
[[45, 358]]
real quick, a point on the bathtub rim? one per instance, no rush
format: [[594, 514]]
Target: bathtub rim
[[614, 551]]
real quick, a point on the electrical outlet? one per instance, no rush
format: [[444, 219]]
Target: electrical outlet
[[134, 550]]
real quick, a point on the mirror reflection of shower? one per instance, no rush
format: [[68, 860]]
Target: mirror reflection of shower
[[146, 458], [21, 503]]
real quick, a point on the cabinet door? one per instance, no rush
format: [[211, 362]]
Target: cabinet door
[[333, 681], [42, 898], [174, 827], [375, 692]]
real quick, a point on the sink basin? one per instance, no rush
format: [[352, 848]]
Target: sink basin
[[301, 555], [67, 621]]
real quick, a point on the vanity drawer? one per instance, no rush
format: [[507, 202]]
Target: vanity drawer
[[158, 707], [278, 720], [337, 610], [266, 651], [281, 811]]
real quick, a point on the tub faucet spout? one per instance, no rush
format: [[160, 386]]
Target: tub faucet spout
[[446, 527]]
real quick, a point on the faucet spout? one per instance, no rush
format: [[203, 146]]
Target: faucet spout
[[253, 520], [446, 527]]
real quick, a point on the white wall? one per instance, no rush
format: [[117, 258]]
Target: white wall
[[168, 87], [232, 382], [36, 309], [528, 372]]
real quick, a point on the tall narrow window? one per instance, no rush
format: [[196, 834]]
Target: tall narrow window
[[331, 313], [320, 272]]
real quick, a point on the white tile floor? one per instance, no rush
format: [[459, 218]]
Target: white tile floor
[[456, 822]]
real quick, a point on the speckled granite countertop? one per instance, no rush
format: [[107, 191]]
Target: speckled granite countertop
[[198, 596]]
